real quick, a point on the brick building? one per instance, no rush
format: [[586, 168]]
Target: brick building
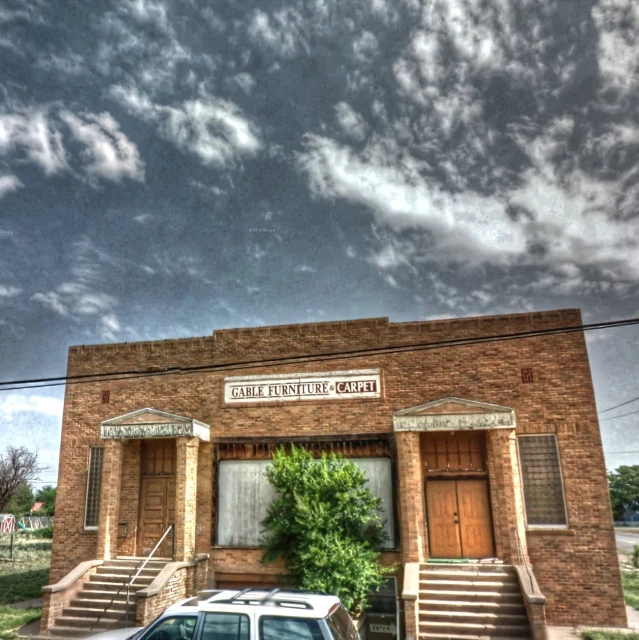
[[479, 450]]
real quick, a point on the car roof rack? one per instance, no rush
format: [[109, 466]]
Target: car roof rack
[[264, 599]]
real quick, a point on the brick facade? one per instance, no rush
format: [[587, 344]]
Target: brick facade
[[576, 567]]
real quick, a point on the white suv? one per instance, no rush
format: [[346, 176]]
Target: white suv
[[247, 615]]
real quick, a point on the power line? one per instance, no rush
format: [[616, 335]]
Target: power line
[[313, 357], [620, 405], [623, 415]]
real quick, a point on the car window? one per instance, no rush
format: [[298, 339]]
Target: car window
[[175, 628], [281, 628], [341, 625], [225, 626]]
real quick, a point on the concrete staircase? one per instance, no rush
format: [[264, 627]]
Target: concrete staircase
[[101, 604], [471, 602]]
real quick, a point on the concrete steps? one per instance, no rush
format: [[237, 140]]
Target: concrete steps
[[471, 602], [101, 604]]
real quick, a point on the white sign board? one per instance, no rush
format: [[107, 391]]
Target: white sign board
[[333, 385]]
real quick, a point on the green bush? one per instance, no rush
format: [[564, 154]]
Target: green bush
[[325, 525]]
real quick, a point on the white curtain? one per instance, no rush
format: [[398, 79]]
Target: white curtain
[[245, 494], [244, 497]]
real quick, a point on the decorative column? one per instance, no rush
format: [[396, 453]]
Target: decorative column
[[110, 500], [411, 497], [506, 495], [186, 498]]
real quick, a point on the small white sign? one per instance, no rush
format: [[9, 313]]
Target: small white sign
[[333, 385], [384, 628]]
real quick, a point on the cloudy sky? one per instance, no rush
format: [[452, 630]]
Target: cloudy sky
[[171, 167]]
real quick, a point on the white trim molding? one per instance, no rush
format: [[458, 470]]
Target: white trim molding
[[459, 415], [152, 423]]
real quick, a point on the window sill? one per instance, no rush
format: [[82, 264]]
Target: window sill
[[236, 548], [553, 531]]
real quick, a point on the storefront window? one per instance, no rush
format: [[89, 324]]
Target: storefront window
[[245, 494]]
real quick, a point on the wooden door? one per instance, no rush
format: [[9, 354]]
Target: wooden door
[[475, 526], [459, 522], [157, 512], [443, 527]]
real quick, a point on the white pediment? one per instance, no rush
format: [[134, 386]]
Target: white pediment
[[152, 423], [454, 414]]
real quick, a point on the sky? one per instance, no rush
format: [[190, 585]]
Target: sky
[[168, 168]]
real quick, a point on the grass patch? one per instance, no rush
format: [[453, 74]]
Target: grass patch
[[28, 553], [609, 635], [630, 582], [23, 578], [16, 587], [12, 619]]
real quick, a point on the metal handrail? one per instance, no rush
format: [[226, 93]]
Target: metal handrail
[[128, 586]]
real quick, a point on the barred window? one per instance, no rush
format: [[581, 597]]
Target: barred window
[[94, 486], [541, 475]]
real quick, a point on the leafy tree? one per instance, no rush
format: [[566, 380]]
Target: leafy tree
[[21, 501], [624, 490], [325, 525], [47, 495], [18, 466]]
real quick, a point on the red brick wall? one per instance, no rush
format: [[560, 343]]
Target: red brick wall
[[559, 401], [186, 581], [147, 609]]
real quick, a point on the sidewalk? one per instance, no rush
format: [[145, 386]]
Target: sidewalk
[[25, 604]]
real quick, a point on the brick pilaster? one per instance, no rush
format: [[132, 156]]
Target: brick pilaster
[[506, 495], [110, 500], [186, 498], [411, 497]]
